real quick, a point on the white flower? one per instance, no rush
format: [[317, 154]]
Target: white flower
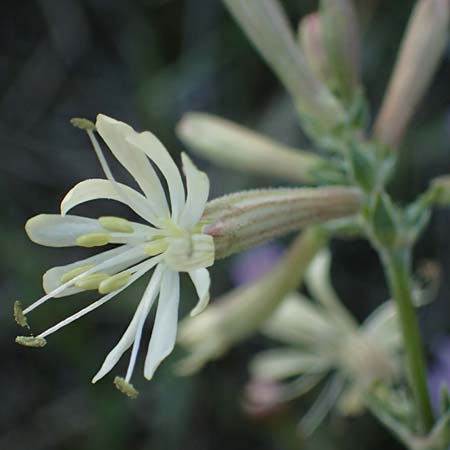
[[170, 242], [324, 341]]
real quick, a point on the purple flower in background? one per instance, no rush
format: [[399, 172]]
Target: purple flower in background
[[254, 263], [439, 371]]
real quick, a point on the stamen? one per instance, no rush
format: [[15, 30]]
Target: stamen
[[92, 282], [113, 283], [82, 124], [104, 165], [116, 224], [71, 274], [104, 265], [93, 240], [156, 247], [19, 315], [141, 269], [31, 341], [126, 388]]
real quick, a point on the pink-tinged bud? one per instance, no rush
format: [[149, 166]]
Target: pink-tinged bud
[[342, 43], [231, 145], [312, 43], [241, 312], [245, 219], [421, 50], [263, 400], [267, 26]]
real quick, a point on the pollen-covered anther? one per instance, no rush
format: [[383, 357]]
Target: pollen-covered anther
[[31, 341], [117, 224], [82, 124], [125, 387], [19, 316], [92, 282], [93, 240], [113, 283], [71, 274], [156, 247]]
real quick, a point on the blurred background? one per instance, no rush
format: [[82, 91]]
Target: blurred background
[[147, 62]]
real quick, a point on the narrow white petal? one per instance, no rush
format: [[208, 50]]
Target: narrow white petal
[[100, 267], [284, 363], [52, 278], [141, 269], [197, 193], [164, 331], [54, 230], [128, 337], [202, 281], [115, 134], [322, 405], [96, 189], [155, 150]]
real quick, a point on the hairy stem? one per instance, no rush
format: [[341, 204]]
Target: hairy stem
[[397, 267]]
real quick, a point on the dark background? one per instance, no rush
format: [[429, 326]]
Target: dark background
[[146, 62]]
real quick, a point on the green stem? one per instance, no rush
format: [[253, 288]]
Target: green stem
[[397, 267]]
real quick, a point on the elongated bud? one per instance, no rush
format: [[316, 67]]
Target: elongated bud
[[231, 145], [311, 41], [420, 52], [266, 25], [342, 42], [241, 312], [242, 220]]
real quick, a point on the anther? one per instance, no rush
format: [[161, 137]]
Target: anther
[[125, 387], [93, 240], [19, 316], [91, 282], [116, 224], [156, 247], [31, 341], [71, 274], [113, 283], [82, 124]]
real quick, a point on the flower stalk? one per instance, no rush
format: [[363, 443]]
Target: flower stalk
[[397, 267]]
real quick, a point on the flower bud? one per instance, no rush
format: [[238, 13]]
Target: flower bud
[[231, 145], [245, 219], [384, 220], [342, 43], [310, 36], [441, 190], [241, 312], [421, 50], [266, 25]]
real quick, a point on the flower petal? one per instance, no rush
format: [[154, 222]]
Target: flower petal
[[202, 281], [197, 193], [115, 134], [164, 331], [52, 278], [128, 337], [96, 189], [155, 150], [54, 230], [284, 363]]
